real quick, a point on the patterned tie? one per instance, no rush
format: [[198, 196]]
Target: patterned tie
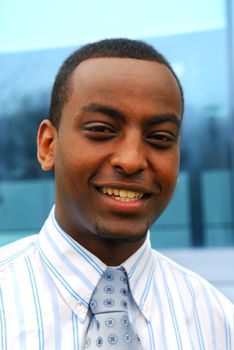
[[109, 326]]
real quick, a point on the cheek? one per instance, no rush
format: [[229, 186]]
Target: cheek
[[75, 165], [169, 169]]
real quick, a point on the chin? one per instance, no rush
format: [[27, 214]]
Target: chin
[[120, 235]]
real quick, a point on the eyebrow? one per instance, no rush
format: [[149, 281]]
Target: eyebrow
[[109, 111], [120, 116], [163, 118]]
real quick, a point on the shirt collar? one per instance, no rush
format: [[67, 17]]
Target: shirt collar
[[76, 271], [140, 270]]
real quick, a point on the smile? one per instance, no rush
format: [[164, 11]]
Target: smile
[[122, 194]]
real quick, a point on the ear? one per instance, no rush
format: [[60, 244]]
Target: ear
[[46, 144]]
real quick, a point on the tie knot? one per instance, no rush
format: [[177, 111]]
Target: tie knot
[[111, 292]]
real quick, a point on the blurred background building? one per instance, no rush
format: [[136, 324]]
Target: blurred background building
[[197, 37]]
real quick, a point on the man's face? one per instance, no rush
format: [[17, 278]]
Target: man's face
[[116, 152]]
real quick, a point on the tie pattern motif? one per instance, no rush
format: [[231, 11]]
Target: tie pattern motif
[[109, 326]]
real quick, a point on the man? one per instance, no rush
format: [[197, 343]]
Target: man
[[112, 139]]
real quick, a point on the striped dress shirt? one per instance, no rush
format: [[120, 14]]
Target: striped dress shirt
[[47, 280]]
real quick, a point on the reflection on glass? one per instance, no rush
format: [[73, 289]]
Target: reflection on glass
[[200, 213]]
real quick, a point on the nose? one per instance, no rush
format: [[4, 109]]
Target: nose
[[129, 157]]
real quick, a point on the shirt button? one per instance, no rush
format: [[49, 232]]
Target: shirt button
[[88, 295], [81, 309], [145, 309]]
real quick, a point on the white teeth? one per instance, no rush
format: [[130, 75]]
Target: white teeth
[[131, 194], [110, 191], [121, 194]]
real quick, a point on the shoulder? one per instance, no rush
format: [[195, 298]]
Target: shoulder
[[194, 289], [14, 251]]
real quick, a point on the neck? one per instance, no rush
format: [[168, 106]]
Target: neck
[[111, 252]]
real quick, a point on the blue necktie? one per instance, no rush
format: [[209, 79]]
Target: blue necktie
[[109, 326]]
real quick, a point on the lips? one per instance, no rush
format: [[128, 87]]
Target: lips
[[122, 195]]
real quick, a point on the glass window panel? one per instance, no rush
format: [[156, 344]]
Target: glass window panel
[[195, 42]]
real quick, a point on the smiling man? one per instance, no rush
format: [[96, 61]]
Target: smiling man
[[90, 278], [115, 151]]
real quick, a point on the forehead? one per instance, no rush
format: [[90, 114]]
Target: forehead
[[125, 81]]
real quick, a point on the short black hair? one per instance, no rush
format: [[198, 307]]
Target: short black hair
[[121, 48]]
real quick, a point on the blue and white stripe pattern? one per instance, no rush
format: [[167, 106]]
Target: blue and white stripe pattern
[[47, 280]]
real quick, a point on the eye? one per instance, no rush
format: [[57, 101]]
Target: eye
[[161, 139], [99, 131], [99, 128]]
